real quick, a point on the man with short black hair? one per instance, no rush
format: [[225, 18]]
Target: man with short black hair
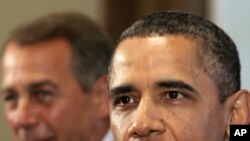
[[175, 76]]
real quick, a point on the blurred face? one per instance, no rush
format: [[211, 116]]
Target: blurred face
[[158, 92], [43, 100]]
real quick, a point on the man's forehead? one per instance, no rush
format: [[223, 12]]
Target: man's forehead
[[171, 55], [157, 48], [56, 50], [35, 62]]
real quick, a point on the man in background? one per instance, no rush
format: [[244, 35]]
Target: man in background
[[175, 76], [54, 80]]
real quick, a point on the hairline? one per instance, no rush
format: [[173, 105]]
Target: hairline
[[73, 52]]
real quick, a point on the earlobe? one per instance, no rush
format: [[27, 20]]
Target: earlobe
[[239, 109]]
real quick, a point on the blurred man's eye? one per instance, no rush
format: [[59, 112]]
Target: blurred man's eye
[[9, 95], [10, 98], [43, 95]]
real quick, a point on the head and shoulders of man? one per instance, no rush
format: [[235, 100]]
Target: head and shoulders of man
[[54, 79], [175, 76]]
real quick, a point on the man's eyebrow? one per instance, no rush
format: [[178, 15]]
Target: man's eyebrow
[[6, 90], [33, 85], [175, 84], [121, 89], [43, 83]]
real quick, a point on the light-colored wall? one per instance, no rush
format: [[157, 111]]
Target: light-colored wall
[[15, 12], [233, 16]]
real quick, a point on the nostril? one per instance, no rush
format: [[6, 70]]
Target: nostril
[[147, 134], [139, 130], [157, 132], [135, 135], [153, 127], [139, 135], [146, 122]]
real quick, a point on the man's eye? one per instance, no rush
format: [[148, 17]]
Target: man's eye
[[123, 100], [9, 95], [43, 95], [174, 95], [10, 98]]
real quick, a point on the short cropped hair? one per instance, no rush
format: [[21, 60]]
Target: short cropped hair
[[217, 53], [91, 48]]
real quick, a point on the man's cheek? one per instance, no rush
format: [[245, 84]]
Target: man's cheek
[[56, 116], [119, 124]]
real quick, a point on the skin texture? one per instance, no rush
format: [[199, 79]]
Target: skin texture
[[158, 92], [44, 101]]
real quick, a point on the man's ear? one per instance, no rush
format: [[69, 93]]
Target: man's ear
[[238, 106], [241, 109], [101, 97], [248, 101]]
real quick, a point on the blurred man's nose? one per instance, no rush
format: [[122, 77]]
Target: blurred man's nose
[[24, 115], [147, 120]]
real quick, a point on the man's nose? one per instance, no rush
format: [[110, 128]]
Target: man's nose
[[147, 120], [25, 114]]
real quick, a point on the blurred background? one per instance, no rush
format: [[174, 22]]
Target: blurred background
[[116, 15]]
